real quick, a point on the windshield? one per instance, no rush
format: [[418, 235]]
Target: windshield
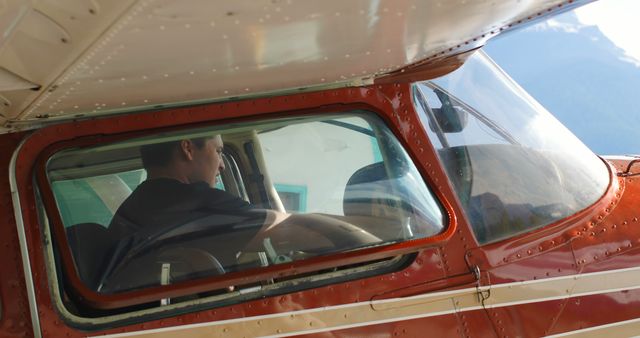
[[513, 166]]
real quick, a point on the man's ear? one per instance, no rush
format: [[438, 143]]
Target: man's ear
[[186, 149]]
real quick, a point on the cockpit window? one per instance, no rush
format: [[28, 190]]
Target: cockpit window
[[179, 206], [514, 167]]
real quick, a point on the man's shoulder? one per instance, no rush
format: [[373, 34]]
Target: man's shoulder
[[173, 194], [220, 199]]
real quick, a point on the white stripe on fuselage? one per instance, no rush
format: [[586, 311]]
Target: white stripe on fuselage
[[398, 309]]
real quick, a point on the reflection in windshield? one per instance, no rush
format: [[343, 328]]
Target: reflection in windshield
[[514, 166]]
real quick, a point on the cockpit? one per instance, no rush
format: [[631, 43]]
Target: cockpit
[[346, 177]]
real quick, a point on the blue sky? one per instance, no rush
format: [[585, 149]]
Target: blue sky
[[584, 67], [618, 20]]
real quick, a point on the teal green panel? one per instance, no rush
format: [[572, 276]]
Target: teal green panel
[[294, 196], [132, 178], [78, 203]]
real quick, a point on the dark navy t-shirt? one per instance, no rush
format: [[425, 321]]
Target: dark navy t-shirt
[[163, 204]]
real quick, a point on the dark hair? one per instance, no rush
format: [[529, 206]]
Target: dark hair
[[161, 154]]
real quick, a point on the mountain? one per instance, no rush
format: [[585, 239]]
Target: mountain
[[580, 76]]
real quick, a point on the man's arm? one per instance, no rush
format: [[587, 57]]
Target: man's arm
[[301, 232]]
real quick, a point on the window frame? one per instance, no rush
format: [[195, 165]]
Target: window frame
[[58, 141]]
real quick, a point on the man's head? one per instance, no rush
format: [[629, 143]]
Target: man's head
[[189, 161]]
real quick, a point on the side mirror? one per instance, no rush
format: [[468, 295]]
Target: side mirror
[[451, 118]]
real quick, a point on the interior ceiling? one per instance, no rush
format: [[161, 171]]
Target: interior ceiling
[[77, 58]]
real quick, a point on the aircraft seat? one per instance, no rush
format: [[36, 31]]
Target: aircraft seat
[[371, 200], [90, 245]]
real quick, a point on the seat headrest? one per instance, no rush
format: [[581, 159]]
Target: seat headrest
[[367, 188]]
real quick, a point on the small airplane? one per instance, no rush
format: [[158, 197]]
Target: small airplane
[[387, 178]]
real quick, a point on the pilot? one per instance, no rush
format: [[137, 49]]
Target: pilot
[[181, 176], [180, 188]]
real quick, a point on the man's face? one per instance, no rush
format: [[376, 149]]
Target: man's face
[[207, 161]]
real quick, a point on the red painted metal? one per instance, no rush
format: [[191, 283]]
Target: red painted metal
[[15, 320], [391, 102], [604, 236]]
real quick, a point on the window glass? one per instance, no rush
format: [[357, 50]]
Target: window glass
[[330, 145], [514, 167], [185, 205], [94, 199]]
